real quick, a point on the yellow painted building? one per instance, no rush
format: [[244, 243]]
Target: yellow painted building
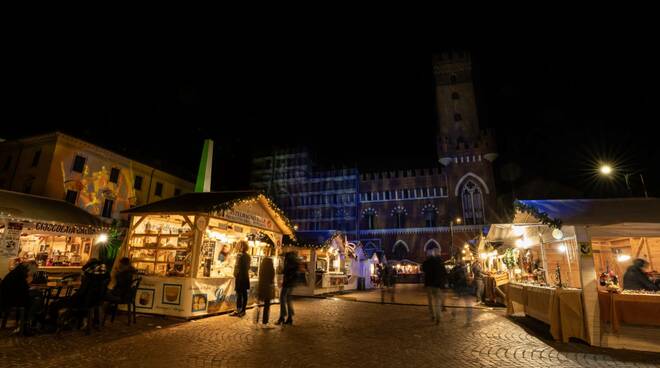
[[100, 181]]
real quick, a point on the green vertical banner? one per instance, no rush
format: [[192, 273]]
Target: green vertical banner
[[203, 183]]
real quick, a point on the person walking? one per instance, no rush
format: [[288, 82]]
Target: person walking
[[435, 277], [478, 281], [265, 287], [462, 291], [242, 279], [289, 276], [388, 283]]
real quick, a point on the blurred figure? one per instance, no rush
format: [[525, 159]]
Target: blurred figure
[[123, 279], [388, 282], [461, 290], [289, 277], [242, 279], [478, 281], [635, 278], [435, 277], [15, 292], [265, 287]]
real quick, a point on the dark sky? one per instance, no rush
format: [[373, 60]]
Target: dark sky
[[556, 108]]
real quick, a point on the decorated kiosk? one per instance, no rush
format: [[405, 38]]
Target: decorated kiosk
[[566, 261], [185, 247], [331, 261], [57, 235]]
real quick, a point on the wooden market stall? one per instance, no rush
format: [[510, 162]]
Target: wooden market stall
[[185, 247], [59, 236], [595, 243], [332, 262]]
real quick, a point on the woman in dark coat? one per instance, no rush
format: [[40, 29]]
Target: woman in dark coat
[[265, 288], [242, 279], [289, 276], [15, 292]]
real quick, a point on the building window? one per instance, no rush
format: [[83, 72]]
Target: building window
[[159, 189], [137, 185], [79, 164], [370, 218], [27, 185], [177, 192], [458, 117], [399, 214], [35, 158], [452, 79], [454, 96], [430, 217], [473, 211], [107, 208], [7, 163], [114, 175], [71, 196], [400, 250]]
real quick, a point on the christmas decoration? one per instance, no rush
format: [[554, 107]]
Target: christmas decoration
[[541, 216]]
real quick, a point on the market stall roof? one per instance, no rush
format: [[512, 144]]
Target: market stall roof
[[209, 202], [27, 206], [592, 211], [313, 239]]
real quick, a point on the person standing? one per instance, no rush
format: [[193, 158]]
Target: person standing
[[265, 288], [461, 291], [435, 277], [478, 281], [289, 276], [389, 282], [635, 278], [242, 279]]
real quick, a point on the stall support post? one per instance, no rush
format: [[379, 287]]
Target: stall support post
[[197, 245], [311, 268], [545, 260], [589, 284]]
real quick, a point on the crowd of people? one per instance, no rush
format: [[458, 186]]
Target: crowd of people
[[41, 311]]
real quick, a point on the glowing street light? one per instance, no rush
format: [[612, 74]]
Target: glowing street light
[[605, 169]]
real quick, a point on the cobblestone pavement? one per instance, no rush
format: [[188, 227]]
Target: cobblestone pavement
[[326, 333]]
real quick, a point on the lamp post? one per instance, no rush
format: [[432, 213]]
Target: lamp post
[[451, 232], [607, 170]]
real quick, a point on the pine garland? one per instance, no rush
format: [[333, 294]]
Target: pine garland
[[541, 216]]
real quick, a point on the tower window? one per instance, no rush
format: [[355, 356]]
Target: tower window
[[458, 117], [452, 79], [455, 96], [473, 211]]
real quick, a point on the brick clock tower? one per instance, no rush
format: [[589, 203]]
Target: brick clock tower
[[464, 150]]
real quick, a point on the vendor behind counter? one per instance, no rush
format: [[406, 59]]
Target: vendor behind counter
[[635, 277]]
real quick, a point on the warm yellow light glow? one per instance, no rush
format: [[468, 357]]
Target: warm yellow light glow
[[606, 169], [466, 246], [520, 243], [463, 251], [518, 230], [562, 248], [458, 220], [622, 257], [102, 238], [483, 255]]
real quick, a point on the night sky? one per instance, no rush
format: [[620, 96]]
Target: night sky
[[556, 109]]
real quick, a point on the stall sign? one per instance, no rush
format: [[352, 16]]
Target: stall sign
[[11, 239], [247, 218], [65, 229]]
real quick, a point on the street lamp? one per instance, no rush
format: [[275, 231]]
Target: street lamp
[[607, 170], [451, 232]]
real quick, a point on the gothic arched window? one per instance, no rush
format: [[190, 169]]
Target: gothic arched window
[[430, 217], [399, 213], [370, 217], [473, 209]]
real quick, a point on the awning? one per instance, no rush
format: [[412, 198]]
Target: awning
[[23, 206]]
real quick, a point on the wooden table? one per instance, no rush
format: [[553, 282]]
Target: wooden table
[[631, 309]]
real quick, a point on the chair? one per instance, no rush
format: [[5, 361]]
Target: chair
[[91, 305], [129, 300]]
